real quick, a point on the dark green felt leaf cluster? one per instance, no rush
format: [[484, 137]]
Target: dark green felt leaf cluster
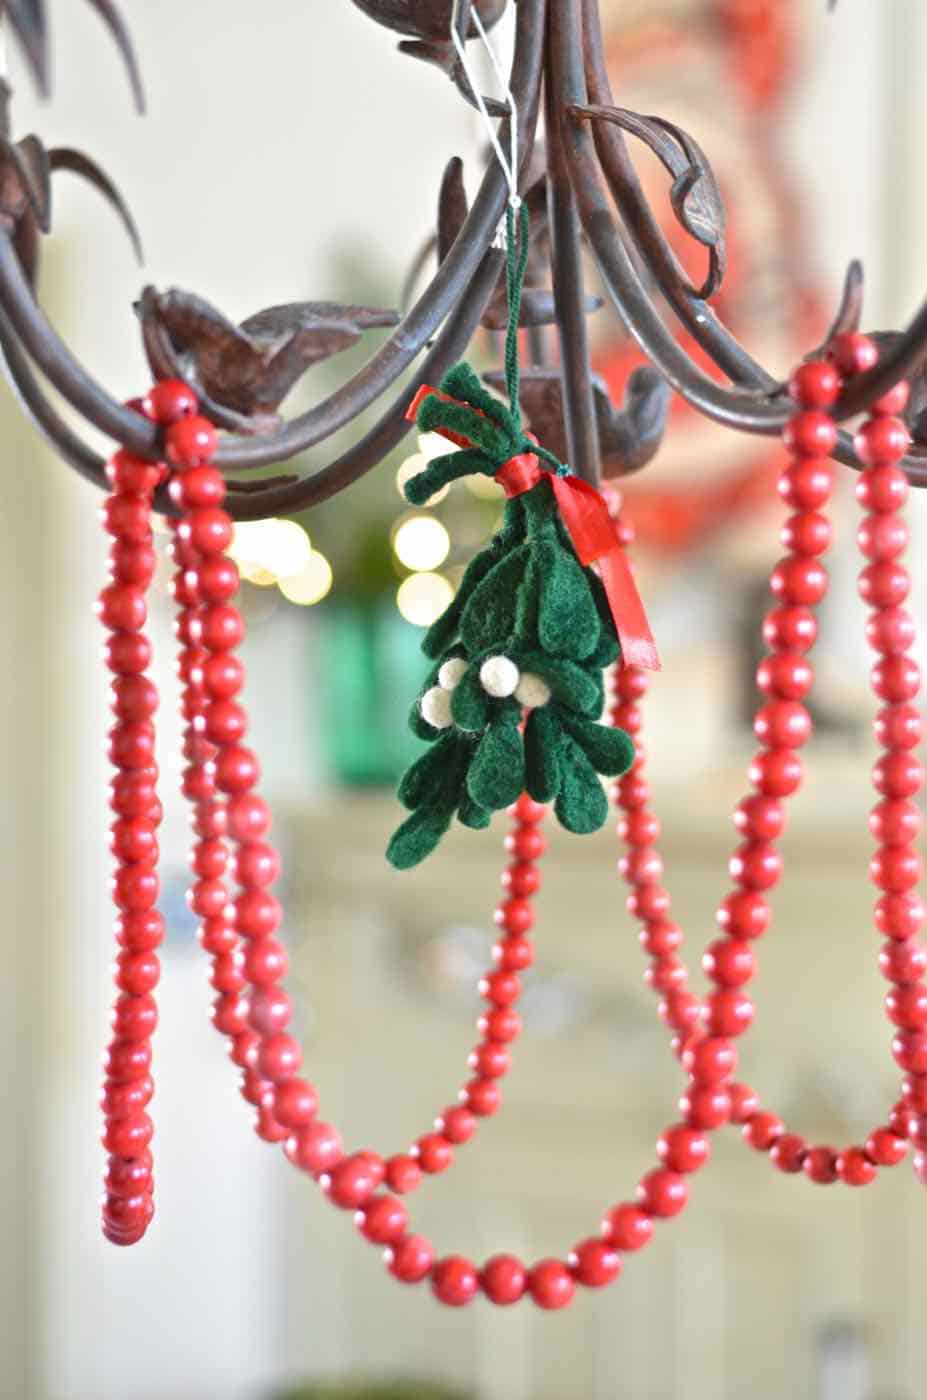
[[525, 598]]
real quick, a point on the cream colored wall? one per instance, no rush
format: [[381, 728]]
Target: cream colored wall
[[70, 1321]]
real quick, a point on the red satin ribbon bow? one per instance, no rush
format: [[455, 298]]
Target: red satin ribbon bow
[[592, 531]]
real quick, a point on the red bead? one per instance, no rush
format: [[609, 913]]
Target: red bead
[[410, 1259], [783, 724], [501, 1024], [787, 675], [190, 441], [128, 1137], [280, 1057], [197, 487], [649, 902], [807, 484], [730, 1012], [383, 1220], [515, 916], [895, 869], [807, 532], [910, 1051], [810, 433], [594, 1263], [457, 1124], [227, 975], [639, 828], [815, 384], [248, 817], [237, 769], [225, 722], [894, 822], [433, 1153], [265, 962], [132, 562], [898, 727], [482, 1097], [133, 838], [134, 697], [267, 1127], [903, 963], [884, 584], [128, 516], [683, 1149], [820, 1165], [662, 1193], [125, 473], [230, 1014], [882, 537], [729, 961], [490, 1061], [885, 1149], [256, 1090], [550, 1284], [627, 1227], [898, 775], [128, 1176], [790, 629], [217, 577], [208, 859], [403, 1174], [501, 988], [135, 887], [882, 441], [710, 1061], [316, 1148], [269, 1010], [744, 915], [168, 401], [138, 973], [915, 1092], [681, 1010], [745, 1102], [756, 866], [208, 898], [661, 938], [140, 930], [122, 1100], [128, 653], [257, 914], [707, 1107], [893, 402], [522, 879], [799, 580], [776, 773], [222, 628], [882, 489], [352, 1181], [132, 744], [854, 1167], [760, 818], [502, 1279], [513, 954], [527, 844], [121, 607], [528, 811], [295, 1102], [218, 936], [454, 1281], [762, 1129], [127, 1059], [788, 1153], [257, 865], [900, 916], [223, 676], [853, 353]]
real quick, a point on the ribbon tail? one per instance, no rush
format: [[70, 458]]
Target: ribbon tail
[[638, 647]]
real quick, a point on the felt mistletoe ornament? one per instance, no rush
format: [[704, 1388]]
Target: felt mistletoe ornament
[[514, 696]]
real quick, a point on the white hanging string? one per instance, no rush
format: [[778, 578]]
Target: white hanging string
[[509, 164]]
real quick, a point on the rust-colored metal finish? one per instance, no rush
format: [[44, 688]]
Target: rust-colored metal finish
[[583, 193]]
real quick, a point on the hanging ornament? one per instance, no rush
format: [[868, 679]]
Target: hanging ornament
[[514, 696]]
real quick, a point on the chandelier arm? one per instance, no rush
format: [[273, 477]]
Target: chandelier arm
[[897, 362], [392, 427], [622, 179], [19, 376], [582, 433], [83, 392]]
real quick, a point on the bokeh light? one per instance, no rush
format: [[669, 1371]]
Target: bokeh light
[[422, 598], [311, 584], [420, 542]]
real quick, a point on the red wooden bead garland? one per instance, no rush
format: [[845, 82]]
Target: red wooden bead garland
[[128, 1203]]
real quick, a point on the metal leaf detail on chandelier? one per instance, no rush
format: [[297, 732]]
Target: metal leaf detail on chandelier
[[537, 307], [26, 168], [29, 22], [244, 372], [629, 437], [694, 195]]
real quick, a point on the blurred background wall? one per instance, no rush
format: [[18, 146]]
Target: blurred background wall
[[285, 152]]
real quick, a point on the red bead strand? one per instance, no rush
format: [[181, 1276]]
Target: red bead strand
[[128, 1204]]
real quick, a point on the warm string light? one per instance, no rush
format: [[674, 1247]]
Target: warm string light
[[421, 543], [279, 552]]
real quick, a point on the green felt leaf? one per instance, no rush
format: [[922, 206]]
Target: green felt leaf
[[462, 382], [419, 834], [490, 616], [582, 806], [609, 750], [607, 650], [469, 701], [441, 471], [497, 772], [606, 653], [430, 772], [471, 814], [526, 613], [572, 685], [543, 770], [568, 623]]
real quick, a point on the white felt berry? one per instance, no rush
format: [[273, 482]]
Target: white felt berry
[[436, 707], [532, 691], [499, 676], [452, 673]]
